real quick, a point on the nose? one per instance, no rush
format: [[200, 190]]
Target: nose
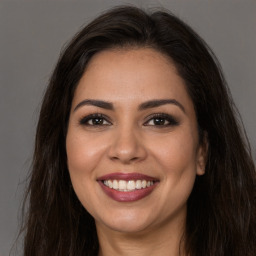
[[127, 147]]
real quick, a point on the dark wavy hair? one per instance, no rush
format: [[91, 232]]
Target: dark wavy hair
[[221, 208]]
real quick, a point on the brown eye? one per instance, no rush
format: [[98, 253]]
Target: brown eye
[[158, 121], [95, 120], [161, 120]]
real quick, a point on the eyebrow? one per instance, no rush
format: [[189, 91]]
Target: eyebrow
[[158, 103], [145, 105], [97, 103]]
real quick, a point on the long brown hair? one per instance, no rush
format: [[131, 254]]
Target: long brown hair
[[221, 209]]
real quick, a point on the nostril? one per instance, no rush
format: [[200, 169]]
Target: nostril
[[127, 148], [125, 160], [134, 158]]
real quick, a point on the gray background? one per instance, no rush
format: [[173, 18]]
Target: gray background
[[32, 33]]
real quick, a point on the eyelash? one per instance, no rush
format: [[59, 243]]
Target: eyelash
[[85, 120], [159, 117]]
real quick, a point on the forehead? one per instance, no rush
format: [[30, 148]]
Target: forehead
[[123, 75]]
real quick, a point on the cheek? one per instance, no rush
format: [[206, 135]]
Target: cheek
[[176, 156], [83, 156], [177, 153], [83, 153]]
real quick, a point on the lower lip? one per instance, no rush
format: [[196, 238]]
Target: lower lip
[[131, 196]]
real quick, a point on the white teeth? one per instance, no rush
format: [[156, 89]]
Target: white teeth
[[138, 184], [126, 186], [122, 185], [115, 184], [130, 185], [110, 183]]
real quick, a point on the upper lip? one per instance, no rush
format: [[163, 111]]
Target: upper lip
[[126, 176]]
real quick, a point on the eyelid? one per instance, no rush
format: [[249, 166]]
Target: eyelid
[[84, 120], [172, 120]]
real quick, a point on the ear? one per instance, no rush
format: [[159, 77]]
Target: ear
[[202, 155]]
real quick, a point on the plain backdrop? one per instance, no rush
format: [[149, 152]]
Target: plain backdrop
[[32, 33]]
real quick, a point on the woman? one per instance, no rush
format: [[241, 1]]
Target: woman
[[138, 149]]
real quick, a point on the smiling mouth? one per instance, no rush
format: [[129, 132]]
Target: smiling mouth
[[128, 186]]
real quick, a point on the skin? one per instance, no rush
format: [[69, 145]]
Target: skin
[[128, 140]]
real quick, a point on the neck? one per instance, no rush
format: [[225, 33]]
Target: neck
[[164, 240]]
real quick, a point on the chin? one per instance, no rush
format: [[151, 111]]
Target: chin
[[128, 223]]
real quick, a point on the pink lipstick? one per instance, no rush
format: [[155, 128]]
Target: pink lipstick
[[127, 187]]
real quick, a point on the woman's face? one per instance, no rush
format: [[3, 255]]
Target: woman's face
[[132, 142]]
